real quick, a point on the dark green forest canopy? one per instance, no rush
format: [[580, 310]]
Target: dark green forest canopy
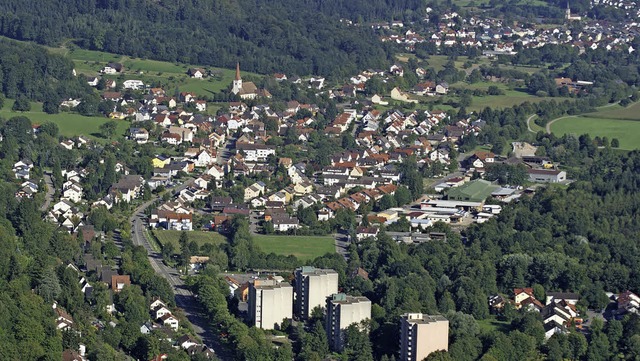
[[266, 36], [30, 71]]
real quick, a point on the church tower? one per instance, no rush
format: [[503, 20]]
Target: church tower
[[237, 83], [568, 11]]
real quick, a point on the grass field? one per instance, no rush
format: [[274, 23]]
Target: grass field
[[70, 124], [627, 131], [199, 237], [632, 112], [492, 324], [303, 247]]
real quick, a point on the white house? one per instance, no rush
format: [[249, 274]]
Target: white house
[[170, 321], [256, 152], [283, 223], [133, 84], [216, 172], [204, 159], [72, 192]]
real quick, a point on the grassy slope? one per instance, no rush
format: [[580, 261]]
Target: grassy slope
[[303, 247], [70, 124], [172, 76]]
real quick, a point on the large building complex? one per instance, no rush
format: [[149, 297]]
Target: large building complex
[[269, 303], [421, 334], [343, 311], [313, 285]]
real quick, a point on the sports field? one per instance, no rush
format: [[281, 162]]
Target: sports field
[[199, 237], [70, 124], [626, 131], [303, 247]]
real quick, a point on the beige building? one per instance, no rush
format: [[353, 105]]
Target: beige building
[[313, 286], [270, 303], [342, 312], [421, 334]]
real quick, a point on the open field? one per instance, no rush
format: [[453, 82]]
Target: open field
[[199, 237], [632, 112], [170, 76], [70, 124], [303, 247], [627, 131]]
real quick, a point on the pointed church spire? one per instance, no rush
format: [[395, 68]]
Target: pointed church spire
[[238, 71]]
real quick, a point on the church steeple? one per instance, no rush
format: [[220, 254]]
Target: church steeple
[[568, 11], [237, 83]]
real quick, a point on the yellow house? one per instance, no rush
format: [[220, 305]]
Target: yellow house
[[160, 161], [303, 188]]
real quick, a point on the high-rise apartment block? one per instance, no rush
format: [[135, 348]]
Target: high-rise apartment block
[[270, 303], [313, 286], [342, 312], [421, 334]]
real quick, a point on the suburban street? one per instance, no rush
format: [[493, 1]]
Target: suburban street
[[184, 298], [50, 191]]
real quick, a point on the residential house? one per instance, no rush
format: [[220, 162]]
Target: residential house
[[366, 232], [284, 223], [170, 321], [119, 281], [204, 159], [133, 84], [255, 190], [256, 152], [196, 73], [628, 302], [127, 188], [140, 135], [63, 319]]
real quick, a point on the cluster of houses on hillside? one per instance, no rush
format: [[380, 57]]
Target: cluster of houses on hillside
[[495, 37]]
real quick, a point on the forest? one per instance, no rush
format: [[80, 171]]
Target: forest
[[266, 37], [30, 72]]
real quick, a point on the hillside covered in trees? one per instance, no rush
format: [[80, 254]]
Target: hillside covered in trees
[[27, 70], [283, 35]]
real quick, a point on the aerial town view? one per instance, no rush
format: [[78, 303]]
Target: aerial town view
[[348, 180]]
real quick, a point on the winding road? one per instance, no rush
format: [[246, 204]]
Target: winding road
[[184, 298], [529, 123]]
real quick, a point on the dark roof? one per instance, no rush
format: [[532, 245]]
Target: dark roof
[[563, 295]]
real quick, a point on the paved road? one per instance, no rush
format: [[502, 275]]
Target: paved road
[[185, 299], [226, 151], [548, 127], [48, 198], [529, 123]]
